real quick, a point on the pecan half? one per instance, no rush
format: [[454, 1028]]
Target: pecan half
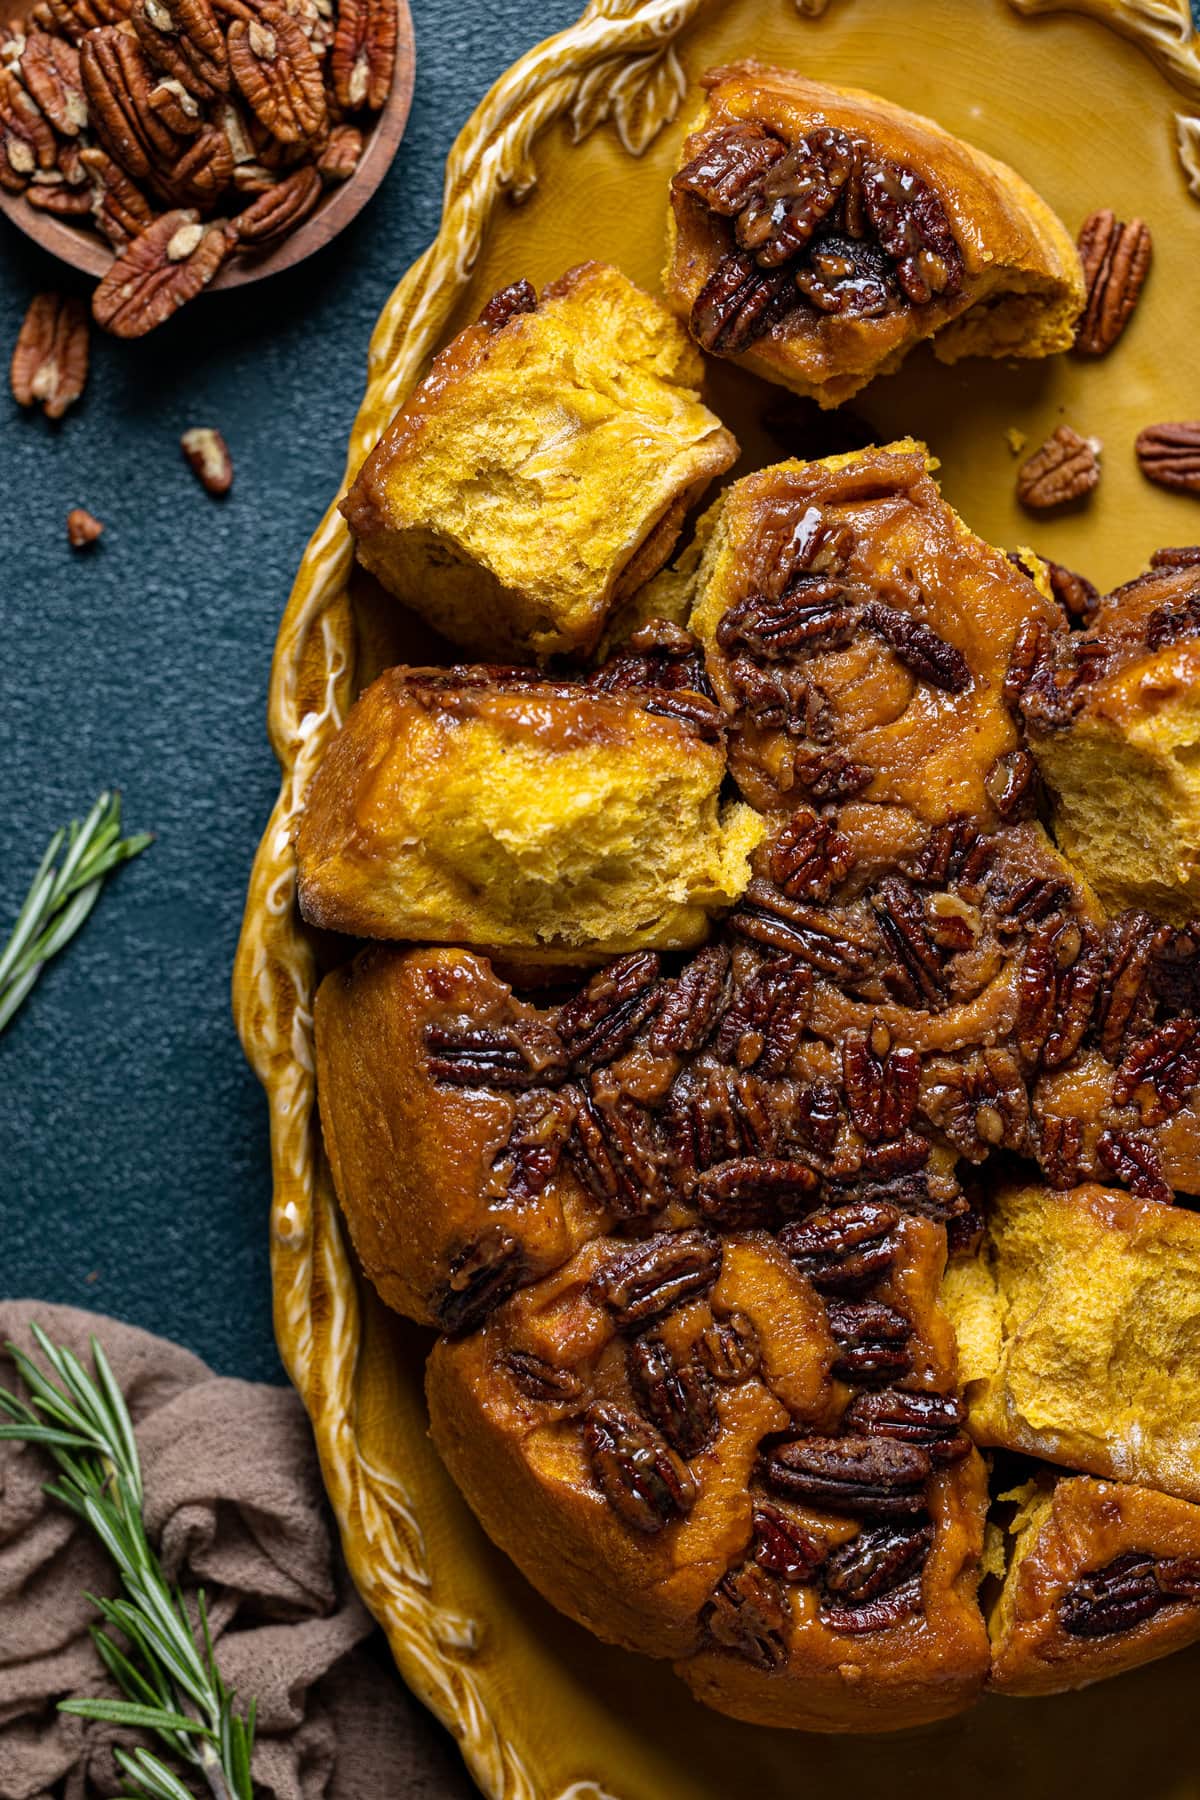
[[793, 194], [919, 648], [481, 1275], [1064, 469], [531, 1155], [1116, 261], [50, 70], [207, 455], [118, 206], [525, 1054], [82, 528], [729, 1348], [880, 1558], [539, 1380], [912, 1416], [871, 1477], [1161, 1071], [676, 1396], [1060, 1151], [657, 1274], [615, 1149], [764, 1024], [739, 303], [843, 1249], [913, 228], [1131, 943], [341, 155], [636, 1470], [902, 924], [749, 1615], [607, 1014], [277, 70], [117, 80], [847, 276], [1136, 1162], [693, 1003], [1114, 1598], [726, 172], [166, 266], [184, 38], [1170, 455], [872, 1340], [50, 361], [364, 53], [280, 209], [783, 1547], [813, 934], [809, 857], [752, 1191], [882, 1082], [26, 140]]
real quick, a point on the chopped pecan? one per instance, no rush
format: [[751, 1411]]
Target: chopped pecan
[[657, 1274], [1114, 1598], [913, 228], [481, 1275], [693, 1003], [912, 1416], [363, 57], [729, 1348], [726, 172], [530, 1158], [676, 1396], [171, 262], [277, 70], [119, 207], [739, 303], [882, 1082], [524, 1054], [815, 934], [1161, 1071], [341, 155], [783, 1547], [607, 1014], [280, 209], [919, 648], [749, 1615], [1065, 468], [871, 1477], [636, 1470], [1166, 625], [82, 528], [1116, 261], [809, 857], [1136, 1162], [844, 1249], [184, 38], [764, 1023], [872, 1340], [27, 142], [1170, 455], [752, 1191], [50, 71], [832, 776], [540, 1380], [207, 455], [50, 361]]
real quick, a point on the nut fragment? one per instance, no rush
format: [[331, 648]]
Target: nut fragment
[[82, 528], [50, 361], [208, 457], [1170, 455], [167, 265], [1116, 261], [1065, 468]]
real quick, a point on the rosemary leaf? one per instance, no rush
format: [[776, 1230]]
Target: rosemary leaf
[[61, 896]]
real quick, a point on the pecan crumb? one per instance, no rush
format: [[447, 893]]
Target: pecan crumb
[[1065, 468], [1170, 455], [208, 457], [1116, 261], [82, 528]]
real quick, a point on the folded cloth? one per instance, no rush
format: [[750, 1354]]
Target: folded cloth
[[234, 1505]]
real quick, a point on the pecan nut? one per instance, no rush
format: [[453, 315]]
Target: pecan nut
[[912, 1416], [171, 262], [918, 647], [636, 1470], [693, 1003], [340, 157], [207, 455], [184, 39], [809, 857], [1170, 455], [1065, 469], [117, 80], [675, 1396], [843, 1249], [783, 1547], [1114, 1598], [523, 1054], [540, 1380], [280, 209], [658, 1274], [27, 143], [1116, 261], [363, 57], [880, 1558], [729, 1348], [749, 1615], [50, 362], [870, 1477], [481, 1275], [50, 70], [277, 70], [607, 1014], [82, 528], [120, 209]]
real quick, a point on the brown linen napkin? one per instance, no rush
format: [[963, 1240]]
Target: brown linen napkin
[[235, 1505]]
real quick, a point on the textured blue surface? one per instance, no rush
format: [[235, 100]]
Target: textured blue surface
[[133, 1152]]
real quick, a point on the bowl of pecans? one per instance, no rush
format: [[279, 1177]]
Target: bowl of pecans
[[166, 146]]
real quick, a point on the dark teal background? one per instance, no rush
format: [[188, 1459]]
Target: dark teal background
[[133, 1139]]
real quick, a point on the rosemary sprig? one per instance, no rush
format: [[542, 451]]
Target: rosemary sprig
[[60, 898], [173, 1686]]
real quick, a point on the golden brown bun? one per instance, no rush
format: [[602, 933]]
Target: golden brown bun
[[478, 807], [1077, 1333], [877, 724], [1104, 1577], [541, 471], [1020, 286], [1120, 752], [429, 1175], [518, 1409]]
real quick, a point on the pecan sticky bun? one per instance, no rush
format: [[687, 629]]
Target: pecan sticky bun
[[820, 232]]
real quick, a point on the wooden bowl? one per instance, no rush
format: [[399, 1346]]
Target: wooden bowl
[[585, 130], [83, 248]]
